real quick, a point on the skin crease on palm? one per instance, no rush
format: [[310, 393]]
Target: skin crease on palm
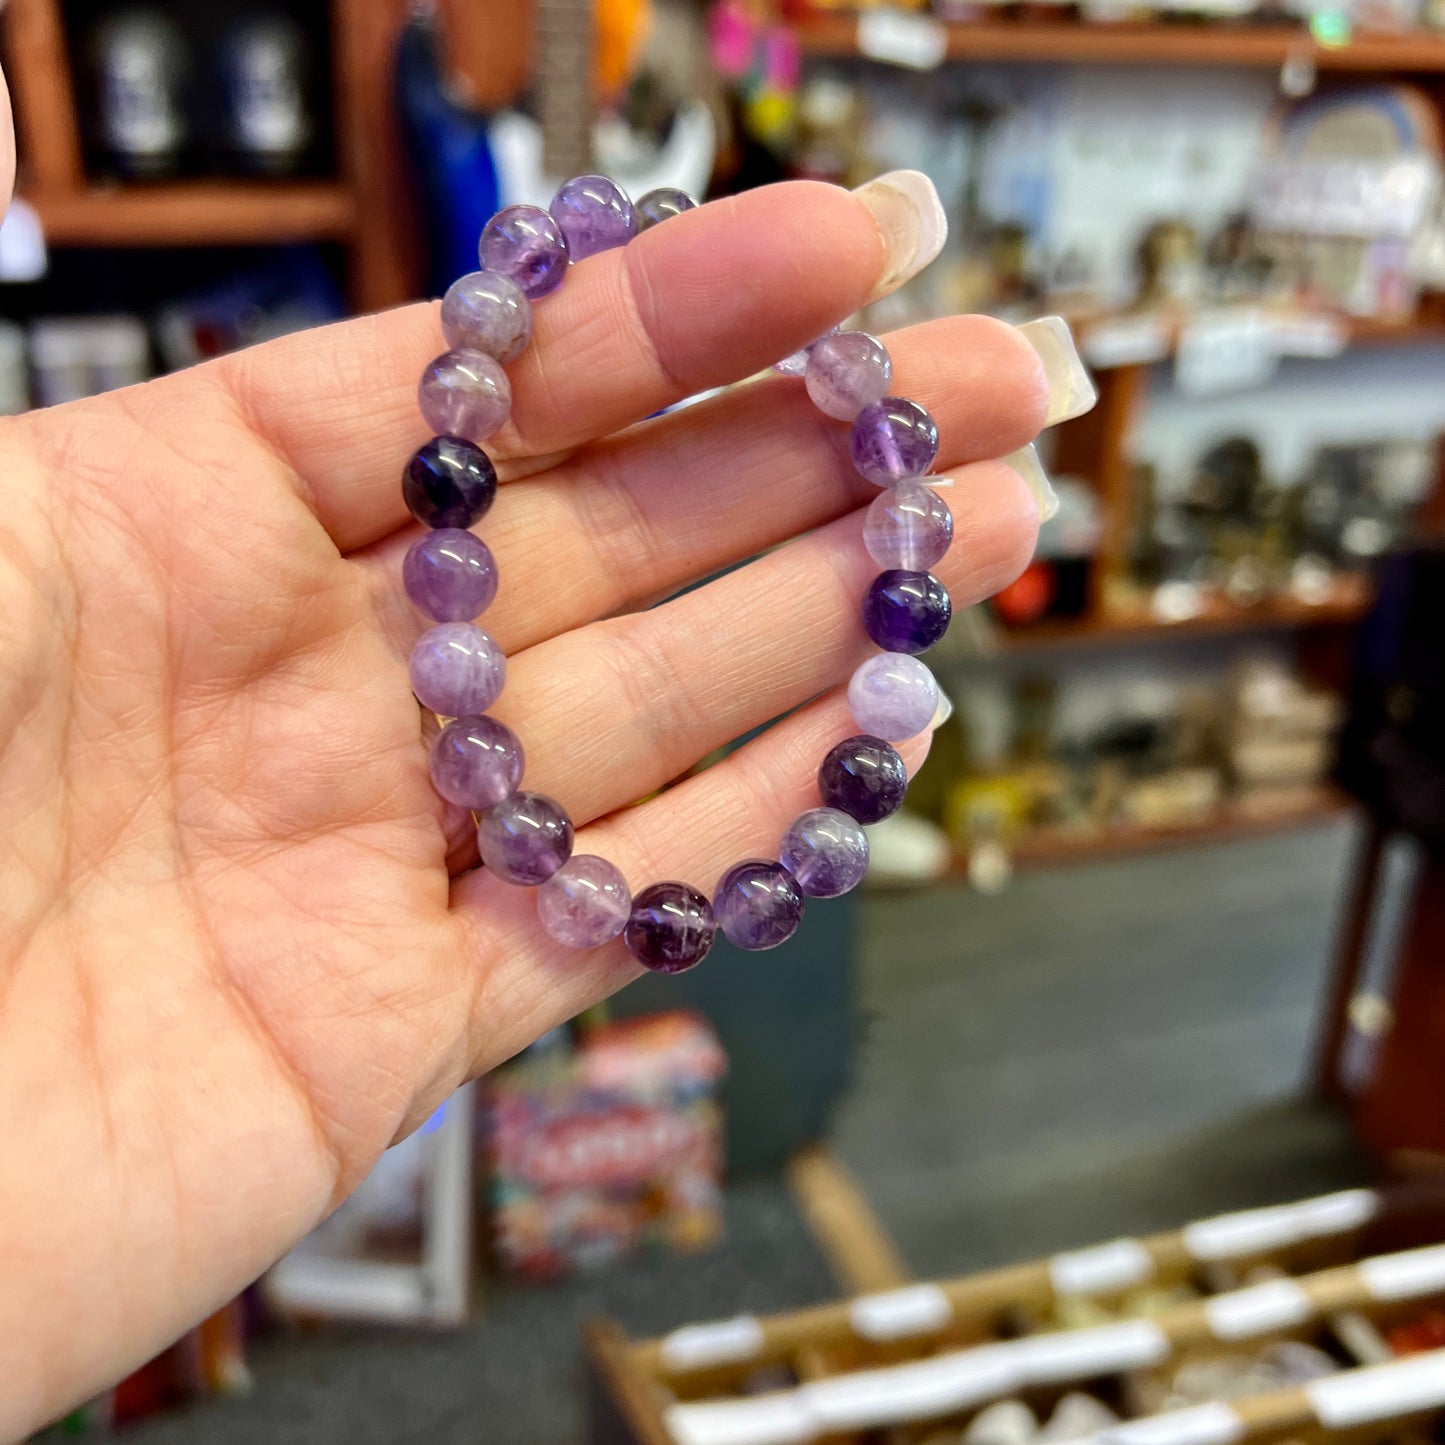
[[241, 950]]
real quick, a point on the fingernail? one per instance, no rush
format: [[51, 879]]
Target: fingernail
[[1071, 389], [1026, 463], [910, 219], [944, 711]]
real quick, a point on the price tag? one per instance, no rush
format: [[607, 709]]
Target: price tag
[[918, 1391], [1080, 1354], [782, 1419], [1105, 1269], [1255, 1231], [1231, 349], [1279, 1304], [899, 37], [1127, 341], [899, 1313], [1318, 337], [1383, 1392], [1410, 1275], [1345, 197], [718, 1342], [1212, 1424]]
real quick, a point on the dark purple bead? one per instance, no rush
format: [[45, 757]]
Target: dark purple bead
[[476, 762], [864, 777], [450, 575], [594, 214], [906, 611], [894, 439], [450, 482], [758, 904], [671, 928], [525, 838], [662, 205], [525, 244]]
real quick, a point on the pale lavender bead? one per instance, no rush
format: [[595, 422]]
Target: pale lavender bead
[[909, 527], [594, 214], [826, 851], [457, 670], [527, 245], [449, 574], [796, 364], [847, 372], [476, 762], [525, 839], [893, 440], [893, 696], [486, 311], [585, 902], [465, 394]]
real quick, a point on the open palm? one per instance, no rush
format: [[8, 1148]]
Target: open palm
[[242, 950]]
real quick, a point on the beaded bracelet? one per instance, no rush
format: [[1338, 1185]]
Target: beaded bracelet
[[458, 671]]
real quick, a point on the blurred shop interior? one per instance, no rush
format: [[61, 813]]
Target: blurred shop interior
[[1118, 1091]]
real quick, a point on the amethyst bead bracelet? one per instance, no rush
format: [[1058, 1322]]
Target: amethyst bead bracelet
[[458, 671]]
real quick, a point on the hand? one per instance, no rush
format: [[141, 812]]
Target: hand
[[242, 952]]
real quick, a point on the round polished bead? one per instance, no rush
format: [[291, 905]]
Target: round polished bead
[[525, 838], [863, 777], [465, 394], [457, 670], [893, 696], [906, 611], [796, 364], [893, 439], [847, 372], [758, 905], [449, 483], [594, 214], [525, 244], [662, 205], [450, 575], [671, 927], [585, 902], [486, 311], [476, 762], [908, 526], [826, 851]]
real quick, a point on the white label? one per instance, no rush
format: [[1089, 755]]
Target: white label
[[1231, 349], [1212, 1424], [717, 1342], [1337, 1213], [1127, 341], [1104, 1269], [1383, 1392], [1279, 1304], [1080, 1354], [1318, 336], [899, 1313], [917, 1391], [1344, 197], [782, 1419], [1410, 1275], [1256, 1231], [902, 38]]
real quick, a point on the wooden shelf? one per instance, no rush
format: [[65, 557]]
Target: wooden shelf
[[1346, 605], [198, 213], [1151, 43], [1232, 820]]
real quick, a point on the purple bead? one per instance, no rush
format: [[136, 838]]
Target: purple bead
[[893, 696], [526, 245], [457, 670], [486, 311], [906, 611], [908, 526], [464, 394], [826, 851], [449, 483], [758, 905], [797, 363], [476, 762], [863, 777], [662, 205], [894, 439], [525, 839], [449, 575], [585, 902], [671, 928], [847, 372], [594, 214]]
